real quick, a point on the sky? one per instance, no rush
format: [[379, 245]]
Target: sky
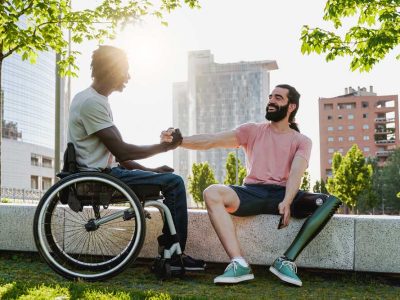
[[233, 30]]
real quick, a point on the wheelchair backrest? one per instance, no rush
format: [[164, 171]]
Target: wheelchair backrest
[[70, 164]]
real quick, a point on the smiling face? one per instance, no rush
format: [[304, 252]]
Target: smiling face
[[278, 105]]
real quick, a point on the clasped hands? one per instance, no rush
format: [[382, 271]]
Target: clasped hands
[[171, 138]]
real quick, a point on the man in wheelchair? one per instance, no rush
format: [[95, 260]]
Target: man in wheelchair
[[277, 155], [99, 147]]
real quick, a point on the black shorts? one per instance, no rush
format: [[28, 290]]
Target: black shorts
[[257, 199]]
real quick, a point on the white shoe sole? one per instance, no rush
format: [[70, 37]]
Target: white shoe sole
[[187, 269], [234, 279], [285, 278]]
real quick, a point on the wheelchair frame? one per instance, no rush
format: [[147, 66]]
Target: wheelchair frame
[[55, 240]]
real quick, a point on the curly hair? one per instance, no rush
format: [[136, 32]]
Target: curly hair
[[107, 63]]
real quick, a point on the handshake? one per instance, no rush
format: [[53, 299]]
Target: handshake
[[171, 138]]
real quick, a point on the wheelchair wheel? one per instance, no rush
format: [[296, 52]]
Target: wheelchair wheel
[[89, 226]]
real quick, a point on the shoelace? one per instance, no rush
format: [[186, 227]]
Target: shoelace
[[232, 265], [290, 264]]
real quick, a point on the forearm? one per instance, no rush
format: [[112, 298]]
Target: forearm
[[299, 165], [209, 141], [292, 188], [132, 152], [198, 142]]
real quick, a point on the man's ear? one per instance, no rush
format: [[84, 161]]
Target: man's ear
[[292, 107]]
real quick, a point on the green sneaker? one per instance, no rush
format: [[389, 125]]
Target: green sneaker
[[286, 270], [235, 273]]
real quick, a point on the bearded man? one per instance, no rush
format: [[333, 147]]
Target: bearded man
[[277, 155]]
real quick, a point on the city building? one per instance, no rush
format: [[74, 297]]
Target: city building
[[28, 93], [218, 97], [358, 117]]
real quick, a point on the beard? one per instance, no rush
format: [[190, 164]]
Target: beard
[[277, 115]]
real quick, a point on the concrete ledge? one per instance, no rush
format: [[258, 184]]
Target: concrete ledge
[[348, 242]]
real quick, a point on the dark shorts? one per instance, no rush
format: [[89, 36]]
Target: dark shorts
[[257, 199]]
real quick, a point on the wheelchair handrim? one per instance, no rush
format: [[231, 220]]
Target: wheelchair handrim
[[43, 240]]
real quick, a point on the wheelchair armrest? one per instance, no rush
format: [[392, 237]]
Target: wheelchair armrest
[[63, 174]]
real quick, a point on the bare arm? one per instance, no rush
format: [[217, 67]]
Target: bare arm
[[225, 139], [122, 151], [299, 165]]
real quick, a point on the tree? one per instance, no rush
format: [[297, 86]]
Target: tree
[[306, 182], [30, 27], [230, 177], [351, 176], [370, 197], [374, 35], [202, 177], [330, 182], [390, 182], [320, 187]]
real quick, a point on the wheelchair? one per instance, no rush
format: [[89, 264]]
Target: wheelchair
[[91, 226]]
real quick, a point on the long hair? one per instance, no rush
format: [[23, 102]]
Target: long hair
[[294, 98]]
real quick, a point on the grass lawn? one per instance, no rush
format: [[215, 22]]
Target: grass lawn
[[25, 276]]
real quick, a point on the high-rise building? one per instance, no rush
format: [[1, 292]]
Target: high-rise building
[[358, 117], [218, 97], [28, 92]]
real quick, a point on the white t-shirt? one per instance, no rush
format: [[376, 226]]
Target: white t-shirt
[[90, 112]]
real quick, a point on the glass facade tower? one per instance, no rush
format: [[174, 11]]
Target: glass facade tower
[[28, 91]]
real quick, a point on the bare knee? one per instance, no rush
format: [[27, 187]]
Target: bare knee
[[213, 196]]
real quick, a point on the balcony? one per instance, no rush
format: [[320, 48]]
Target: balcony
[[385, 131], [384, 120], [383, 153], [385, 142]]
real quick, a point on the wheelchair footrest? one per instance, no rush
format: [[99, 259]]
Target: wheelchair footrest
[[163, 269]]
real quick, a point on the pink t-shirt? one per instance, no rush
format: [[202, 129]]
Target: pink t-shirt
[[269, 154]]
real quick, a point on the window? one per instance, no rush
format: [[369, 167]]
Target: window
[[340, 128], [34, 159], [340, 139], [365, 126], [346, 105], [350, 117], [340, 117], [331, 150], [366, 149], [328, 106], [366, 138], [364, 104], [328, 173], [330, 128], [365, 116], [351, 138], [46, 183], [329, 161], [34, 182], [330, 139], [340, 150], [47, 162], [351, 127], [329, 117]]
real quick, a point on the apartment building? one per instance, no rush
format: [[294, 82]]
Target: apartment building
[[358, 117]]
